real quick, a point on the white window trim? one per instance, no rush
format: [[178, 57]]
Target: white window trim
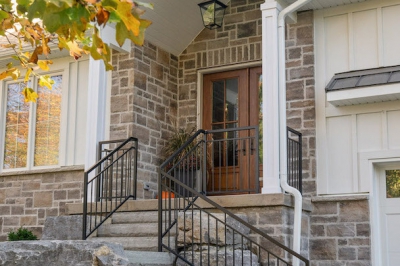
[[59, 67]]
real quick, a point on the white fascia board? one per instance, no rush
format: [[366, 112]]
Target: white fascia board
[[371, 94]]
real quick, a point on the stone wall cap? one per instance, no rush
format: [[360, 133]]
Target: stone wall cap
[[340, 198], [57, 169]]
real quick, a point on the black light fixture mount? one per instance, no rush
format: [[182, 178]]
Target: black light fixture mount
[[212, 13]]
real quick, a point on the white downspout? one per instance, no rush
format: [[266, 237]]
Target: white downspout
[[282, 125]]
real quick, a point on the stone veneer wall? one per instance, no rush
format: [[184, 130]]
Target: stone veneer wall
[[239, 41], [26, 199], [340, 232], [300, 91], [143, 101]]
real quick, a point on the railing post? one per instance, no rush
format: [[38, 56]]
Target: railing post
[[84, 216], [300, 163], [204, 170], [257, 160], [159, 210]]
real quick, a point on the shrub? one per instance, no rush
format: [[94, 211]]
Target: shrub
[[21, 234]]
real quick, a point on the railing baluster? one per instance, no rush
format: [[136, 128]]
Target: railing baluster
[[113, 173]]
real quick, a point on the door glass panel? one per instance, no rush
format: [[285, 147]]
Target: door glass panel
[[17, 126], [232, 145], [218, 146], [231, 106], [48, 115], [218, 101], [393, 183]]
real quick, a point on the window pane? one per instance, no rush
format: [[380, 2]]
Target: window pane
[[17, 126], [393, 183], [218, 101], [48, 115], [231, 108]]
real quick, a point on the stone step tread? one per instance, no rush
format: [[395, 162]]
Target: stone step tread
[[135, 217], [130, 230], [134, 243], [124, 230], [148, 258]]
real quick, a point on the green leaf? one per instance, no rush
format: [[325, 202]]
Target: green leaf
[[52, 21], [3, 14], [36, 9], [23, 6]]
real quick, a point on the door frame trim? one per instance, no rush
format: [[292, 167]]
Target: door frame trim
[[370, 165], [204, 71]]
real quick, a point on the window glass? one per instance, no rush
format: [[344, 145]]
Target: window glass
[[17, 127], [48, 116], [393, 183], [32, 135]]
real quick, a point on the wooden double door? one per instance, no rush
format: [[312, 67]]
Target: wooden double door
[[232, 99]]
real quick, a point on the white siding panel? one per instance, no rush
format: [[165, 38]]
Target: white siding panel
[[80, 137], [340, 160], [365, 39], [369, 132], [337, 45], [393, 122], [390, 32]]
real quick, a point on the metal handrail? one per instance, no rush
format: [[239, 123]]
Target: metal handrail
[[295, 157], [191, 203], [114, 182], [186, 196]]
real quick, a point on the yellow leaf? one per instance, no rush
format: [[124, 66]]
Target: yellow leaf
[[13, 73], [29, 94], [44, 64], [46, 81], [27, 74], [124, 12], [3, 75]]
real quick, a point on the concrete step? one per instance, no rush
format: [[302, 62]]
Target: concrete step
[[125, 230], [143, 258], [135, 243], [135, 217]]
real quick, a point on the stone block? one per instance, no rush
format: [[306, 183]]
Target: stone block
[[354, 211], [347, 253], [71, 228], [323, 249], [43, 199], [218, 256], [341, 230], [62, 253], [31, 185], [363, 230], [200, 228]]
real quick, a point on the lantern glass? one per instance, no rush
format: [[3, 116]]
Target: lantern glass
[[212, 13]]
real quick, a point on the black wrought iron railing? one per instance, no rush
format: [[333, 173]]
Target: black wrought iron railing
[[197, 236], [217, 162], [201, 167], [294, 147], [110, 182]]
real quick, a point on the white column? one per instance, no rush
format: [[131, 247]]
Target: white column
[[270, 11], [96, 110]]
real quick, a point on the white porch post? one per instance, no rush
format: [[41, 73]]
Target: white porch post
[[99, 86], [96, 112], [270, 108]]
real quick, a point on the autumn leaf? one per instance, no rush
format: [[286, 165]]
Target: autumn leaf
[[102, 16], [44, 64], [46, 81], [27, 74], [29, 95]]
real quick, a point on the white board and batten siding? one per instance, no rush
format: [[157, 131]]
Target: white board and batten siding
[[347, 38]]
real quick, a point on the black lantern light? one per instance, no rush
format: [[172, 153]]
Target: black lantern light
[[212, 13]]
